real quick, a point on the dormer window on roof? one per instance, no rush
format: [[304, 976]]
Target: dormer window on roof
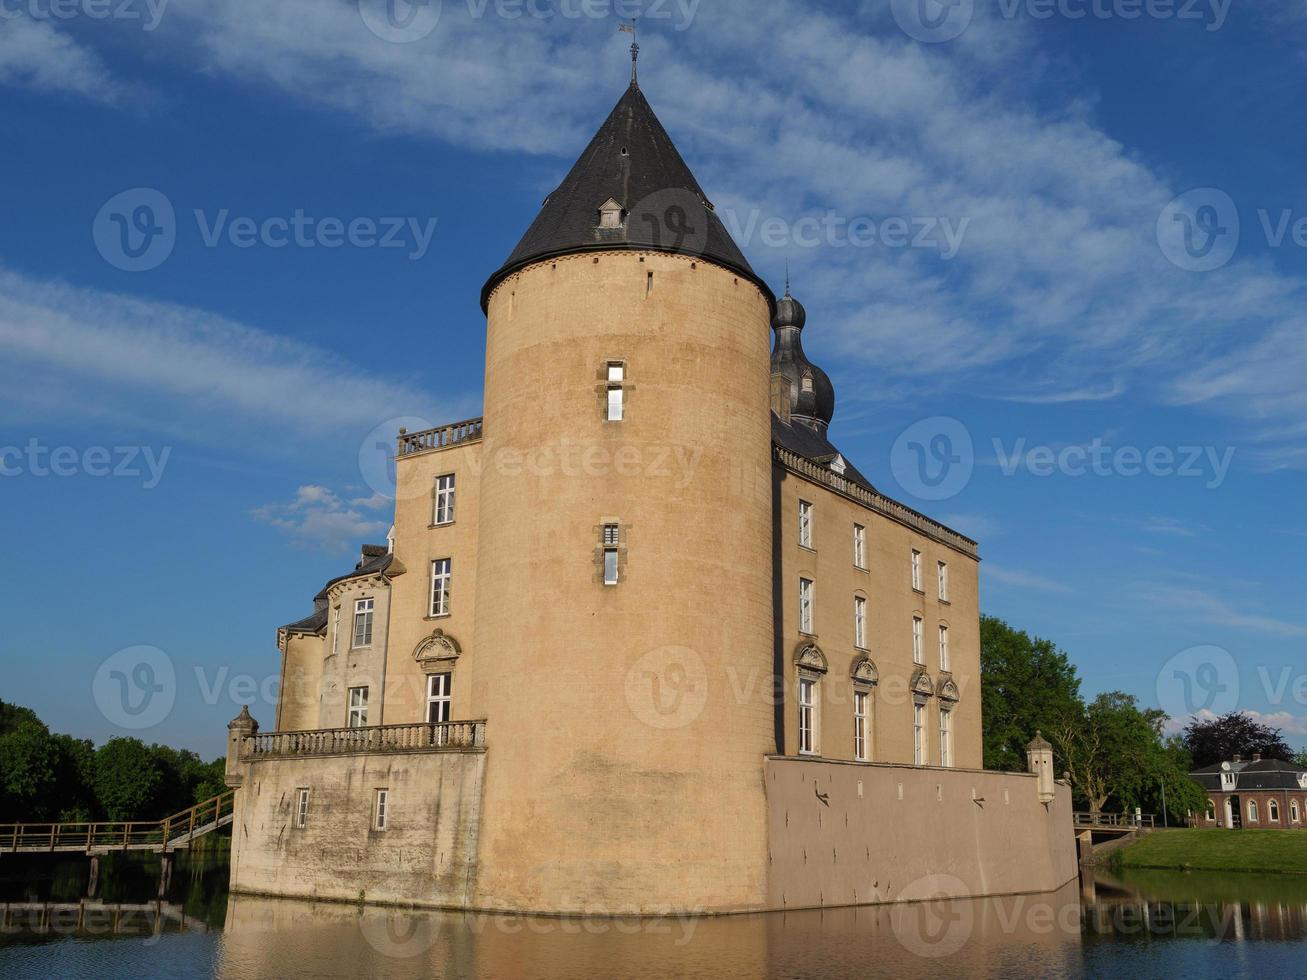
[[610, 214]]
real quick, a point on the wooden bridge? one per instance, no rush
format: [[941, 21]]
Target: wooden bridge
[[157, 836], [1114, 823]]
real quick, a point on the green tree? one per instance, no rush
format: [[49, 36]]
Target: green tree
[[128, 780], [1027, 685], [29, 766], [1301, 758]]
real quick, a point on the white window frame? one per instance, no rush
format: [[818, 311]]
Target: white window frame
[[301, 807], [1211, 811], [805, 524], [439, 697], [859, 546], [806, 589], [380, 808], [335, 631], [442, 580], [918, 641], [615, 409], [1295, 813], [1272, 811], [916, 570], [361, 635], [944, 655], [942, 569], [612, 537], [919, 734], [946, 737], [807, 715], [358, 708], [860, 622], [861, 703], [443, 513], [1253, 812]]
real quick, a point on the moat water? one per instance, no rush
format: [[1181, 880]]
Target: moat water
[[1145, 924]]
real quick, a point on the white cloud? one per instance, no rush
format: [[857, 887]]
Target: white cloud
[[317, 517], [1218, 611], [75, 353], [1020, 579], [35, 54]]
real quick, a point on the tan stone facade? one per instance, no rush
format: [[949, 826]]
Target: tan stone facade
[[615, 610]]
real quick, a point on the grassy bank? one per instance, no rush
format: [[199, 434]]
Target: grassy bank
[[1271, 851]]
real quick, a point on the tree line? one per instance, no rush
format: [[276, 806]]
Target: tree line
[[47, 776], [1115, 752]]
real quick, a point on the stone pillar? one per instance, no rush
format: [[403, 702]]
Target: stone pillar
[[1039, 758], [238, 729]]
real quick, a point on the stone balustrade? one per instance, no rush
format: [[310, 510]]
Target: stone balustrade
[[376, 739], [441, 437]]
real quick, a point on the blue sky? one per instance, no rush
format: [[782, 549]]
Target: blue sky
[[1067, 312]]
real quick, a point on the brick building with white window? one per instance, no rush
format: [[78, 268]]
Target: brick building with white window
[[643, 638], [1265, 794]]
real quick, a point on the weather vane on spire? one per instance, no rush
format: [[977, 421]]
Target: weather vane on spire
[[626, 28]]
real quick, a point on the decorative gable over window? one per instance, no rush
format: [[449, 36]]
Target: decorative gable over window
[[610, 214]]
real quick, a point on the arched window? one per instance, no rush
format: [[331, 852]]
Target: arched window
[[1293, 811], [1211, 811], [1273, 811], [1252, 811]]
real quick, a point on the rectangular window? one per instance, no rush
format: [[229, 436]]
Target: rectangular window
[[945, 738], [859, 546], [612, 537], [860, 700], [438, 698], [444, 499], [335, 631], [302, 807], [363, 623], [805, 605], [943, 581], [358, 707], [859, 622], [919, 734], [805, 524], [616, 393], [916, 570], [441, 579], [918, 655], [380, 809], [807, 713], [943, 648]]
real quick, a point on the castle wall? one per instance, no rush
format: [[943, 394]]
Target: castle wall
[[426, 855], [301, 682], [857, 833], [624, 740], [892, 602]]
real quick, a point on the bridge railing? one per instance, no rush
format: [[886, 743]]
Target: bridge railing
[[110, 835], [1115, 821], [377, 739]]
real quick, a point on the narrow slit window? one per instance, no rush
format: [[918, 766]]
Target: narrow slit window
[[807, 714], [805, 605], [616, 391], [805, 524], [301, 807], [612, 536], [860, 699], [381, 809], [442, 578], [859, 546], [859, 622]]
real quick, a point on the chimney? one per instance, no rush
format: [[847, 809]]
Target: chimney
[[780, 397]]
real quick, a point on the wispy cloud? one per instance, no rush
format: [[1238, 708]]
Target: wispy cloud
[[1207, 607], [1023, 580], [1100, 393], [178, 369], [36, 54], [318, 517]]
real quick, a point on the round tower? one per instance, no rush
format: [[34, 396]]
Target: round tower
[[624, 570]]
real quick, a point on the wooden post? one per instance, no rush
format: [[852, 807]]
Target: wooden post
[[165, 874], [95, 876]]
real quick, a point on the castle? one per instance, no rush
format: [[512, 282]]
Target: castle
[[642, 639]]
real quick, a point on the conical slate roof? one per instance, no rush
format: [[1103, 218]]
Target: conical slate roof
[[633, 168]]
